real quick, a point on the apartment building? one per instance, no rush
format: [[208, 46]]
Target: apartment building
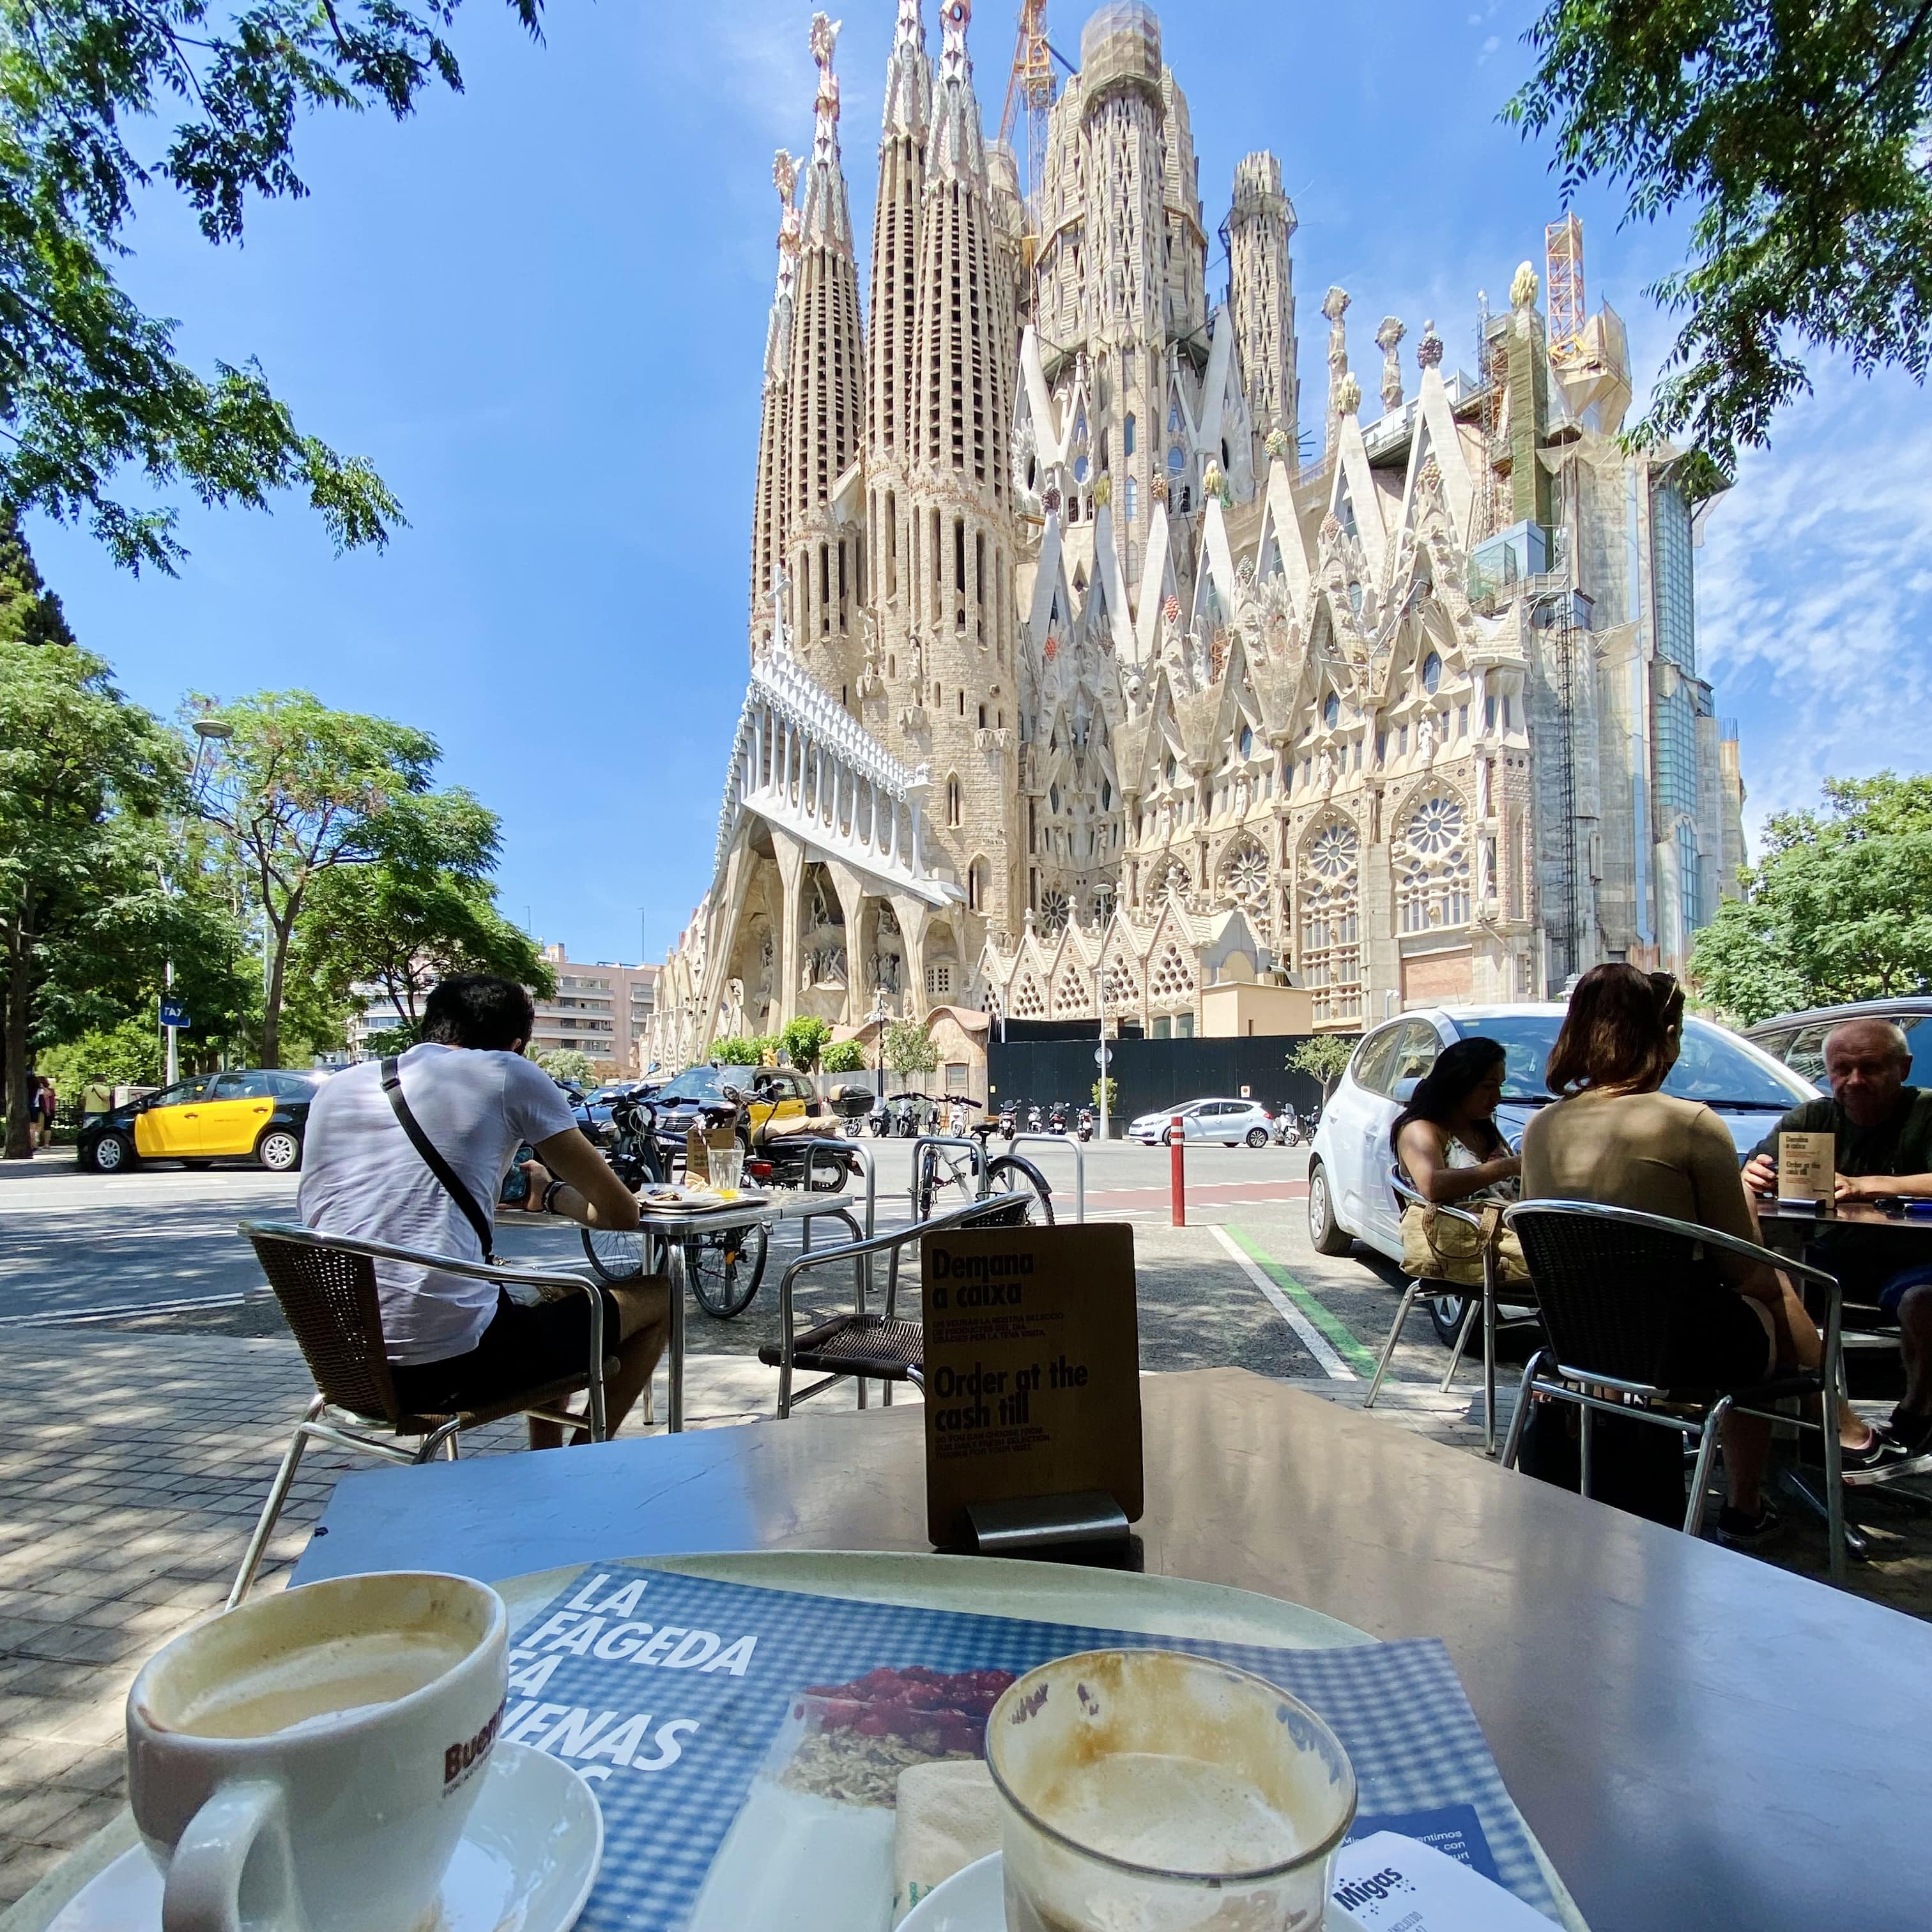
[[600, 1009]]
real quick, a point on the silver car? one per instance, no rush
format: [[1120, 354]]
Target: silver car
[[1349, 1197], [1230, 1122]]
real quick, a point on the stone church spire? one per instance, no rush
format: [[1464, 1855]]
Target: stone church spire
[[825, 401], [770, 497], [895, 246]]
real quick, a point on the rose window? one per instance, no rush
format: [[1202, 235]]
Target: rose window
[[1052, 910], [1432, 869], [1247, 875], [1331, 949]]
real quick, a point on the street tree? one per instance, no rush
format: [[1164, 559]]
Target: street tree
[[1838, 907], [1795, 137], [102, 100], [298, 791], [909, 1048], [83, 772], [30, 613], [843, 1056], [402, 928], [804, 1040], [1322, 1056], [566, 1063]]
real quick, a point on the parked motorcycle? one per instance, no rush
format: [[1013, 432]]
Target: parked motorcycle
[[958, 1118], [1287, 1129], [1086, 1127], [905, 1117], [879, 1118], [1056, 1121], [1032, 1118], [1009, 1122]]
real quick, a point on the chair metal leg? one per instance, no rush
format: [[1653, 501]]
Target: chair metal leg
[[1394, 1335], [1700, 1471], [1583, 1450], [1489, 1352], [1828, 1416], [1513, 1444], [443, 1434], [1455, 1353], [278, 1492]]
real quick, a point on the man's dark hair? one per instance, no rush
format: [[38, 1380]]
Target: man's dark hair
[[479, 1009]]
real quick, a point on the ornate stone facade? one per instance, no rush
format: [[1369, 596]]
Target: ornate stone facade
[[1072, 691]]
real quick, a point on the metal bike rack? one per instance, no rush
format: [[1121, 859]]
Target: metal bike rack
[[814, 1148], [975, 1148], [1071, 1141]]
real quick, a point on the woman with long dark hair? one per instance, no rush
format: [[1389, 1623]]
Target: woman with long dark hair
[[1446, 1139], [1611, 1137]]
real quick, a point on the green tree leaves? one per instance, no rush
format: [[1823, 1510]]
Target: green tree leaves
[[1796, 134], [1322, 1057], [1839, 907], [909, 1048], [804, 1040], [91, 386]]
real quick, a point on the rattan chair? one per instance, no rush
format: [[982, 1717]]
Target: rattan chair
[[326, 1285], [1492, 1302], [1609, 1281]]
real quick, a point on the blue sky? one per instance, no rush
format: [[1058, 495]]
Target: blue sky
[[539, 308]]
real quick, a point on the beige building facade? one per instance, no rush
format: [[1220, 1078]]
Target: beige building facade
[[1074, 690]]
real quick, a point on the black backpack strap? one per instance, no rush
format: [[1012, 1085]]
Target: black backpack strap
[[452, 1181]]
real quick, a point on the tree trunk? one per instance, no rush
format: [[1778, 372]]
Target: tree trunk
[[272, 1000], [19, 1008]]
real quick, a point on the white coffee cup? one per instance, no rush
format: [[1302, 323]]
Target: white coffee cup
[[307, 1762]]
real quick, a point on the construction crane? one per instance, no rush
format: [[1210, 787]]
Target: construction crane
[[1563, 285], [1029, 91]]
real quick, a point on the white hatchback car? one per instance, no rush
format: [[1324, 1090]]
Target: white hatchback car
[[1229, 1121], [1349, 1197]]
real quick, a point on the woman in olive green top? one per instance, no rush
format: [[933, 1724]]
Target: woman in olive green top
[[1614, 1139]]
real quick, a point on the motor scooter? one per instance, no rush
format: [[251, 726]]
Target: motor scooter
[[1009, 1123], [878, 1118], [958, 1118], [905, 1117], [1287, 1129], [1086, 1127], [1032, 1118], [1056, 1121]]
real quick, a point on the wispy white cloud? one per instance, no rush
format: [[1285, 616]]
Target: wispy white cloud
[[1815, 593]]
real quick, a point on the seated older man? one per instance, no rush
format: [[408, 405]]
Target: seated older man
[[1882, 1131]]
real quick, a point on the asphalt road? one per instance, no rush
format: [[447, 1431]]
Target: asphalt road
[[1240, 1284]]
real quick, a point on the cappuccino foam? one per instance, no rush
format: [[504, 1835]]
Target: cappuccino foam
[[1172, 1814], [337, 1678]]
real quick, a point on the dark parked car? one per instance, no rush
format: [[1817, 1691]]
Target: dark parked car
[[257, 1114], [1798, 1038]]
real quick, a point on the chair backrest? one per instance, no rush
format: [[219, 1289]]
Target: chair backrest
[[1611, 1283], [328, 1296]]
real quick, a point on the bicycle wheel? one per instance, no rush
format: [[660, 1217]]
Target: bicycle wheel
[[1013, 1174], [726, 1268], [617, 1255]]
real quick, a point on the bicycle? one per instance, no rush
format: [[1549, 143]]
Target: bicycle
[[725, 1265], [1011, 1174]]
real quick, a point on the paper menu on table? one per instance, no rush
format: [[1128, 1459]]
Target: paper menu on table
[[1805, 1169], [1388, 1881]]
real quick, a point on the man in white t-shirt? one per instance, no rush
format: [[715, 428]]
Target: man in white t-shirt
[[455, 1342]]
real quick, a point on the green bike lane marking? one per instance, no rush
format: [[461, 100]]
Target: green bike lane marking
[[1361, 1360]]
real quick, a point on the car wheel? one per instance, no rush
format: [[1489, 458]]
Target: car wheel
[[1167, 1137], [279, 1150], [1445, 1316], [112, 1153], [1257, 1137], [1327, 1234]]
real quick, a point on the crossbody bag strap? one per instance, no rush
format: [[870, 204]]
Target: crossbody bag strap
[[453, 1182]]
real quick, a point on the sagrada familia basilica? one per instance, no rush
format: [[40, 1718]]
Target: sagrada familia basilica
[[1086, 673]]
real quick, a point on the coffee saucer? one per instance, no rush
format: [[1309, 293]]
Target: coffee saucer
[[974, 1899], [528, 1858]]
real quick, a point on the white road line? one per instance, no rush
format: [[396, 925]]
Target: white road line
[[1317, 1344]]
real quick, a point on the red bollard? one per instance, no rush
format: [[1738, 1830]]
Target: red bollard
[[1176, 1134]]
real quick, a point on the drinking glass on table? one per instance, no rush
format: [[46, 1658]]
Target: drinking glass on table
[[1154, 1790], [727, 1167]]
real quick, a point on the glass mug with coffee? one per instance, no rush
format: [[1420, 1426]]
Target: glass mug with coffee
[[317, 1753], [1167, 1792]]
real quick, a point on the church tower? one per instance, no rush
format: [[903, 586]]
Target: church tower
[[825, 409], [955, 699], [907, 123], [1260, 294], [771, 496]]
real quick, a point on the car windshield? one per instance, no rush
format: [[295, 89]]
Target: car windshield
[[180, 1092], [1714, 1068], [705, 1083]]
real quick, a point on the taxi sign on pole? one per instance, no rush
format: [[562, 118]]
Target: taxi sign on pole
[[174, 1014]]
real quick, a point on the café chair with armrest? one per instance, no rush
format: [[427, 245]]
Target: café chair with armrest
[[881, 1347], [1493, 1301], [326, 1285], [1608, 1280]]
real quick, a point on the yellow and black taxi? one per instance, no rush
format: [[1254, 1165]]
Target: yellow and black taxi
[[257, 1114]]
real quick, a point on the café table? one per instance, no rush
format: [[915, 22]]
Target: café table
[[1698, 1739]]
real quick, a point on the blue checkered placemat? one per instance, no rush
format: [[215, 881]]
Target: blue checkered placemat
[[668, 1690]]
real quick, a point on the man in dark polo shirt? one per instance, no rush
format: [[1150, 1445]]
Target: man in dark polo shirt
[[1882, 1145]]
